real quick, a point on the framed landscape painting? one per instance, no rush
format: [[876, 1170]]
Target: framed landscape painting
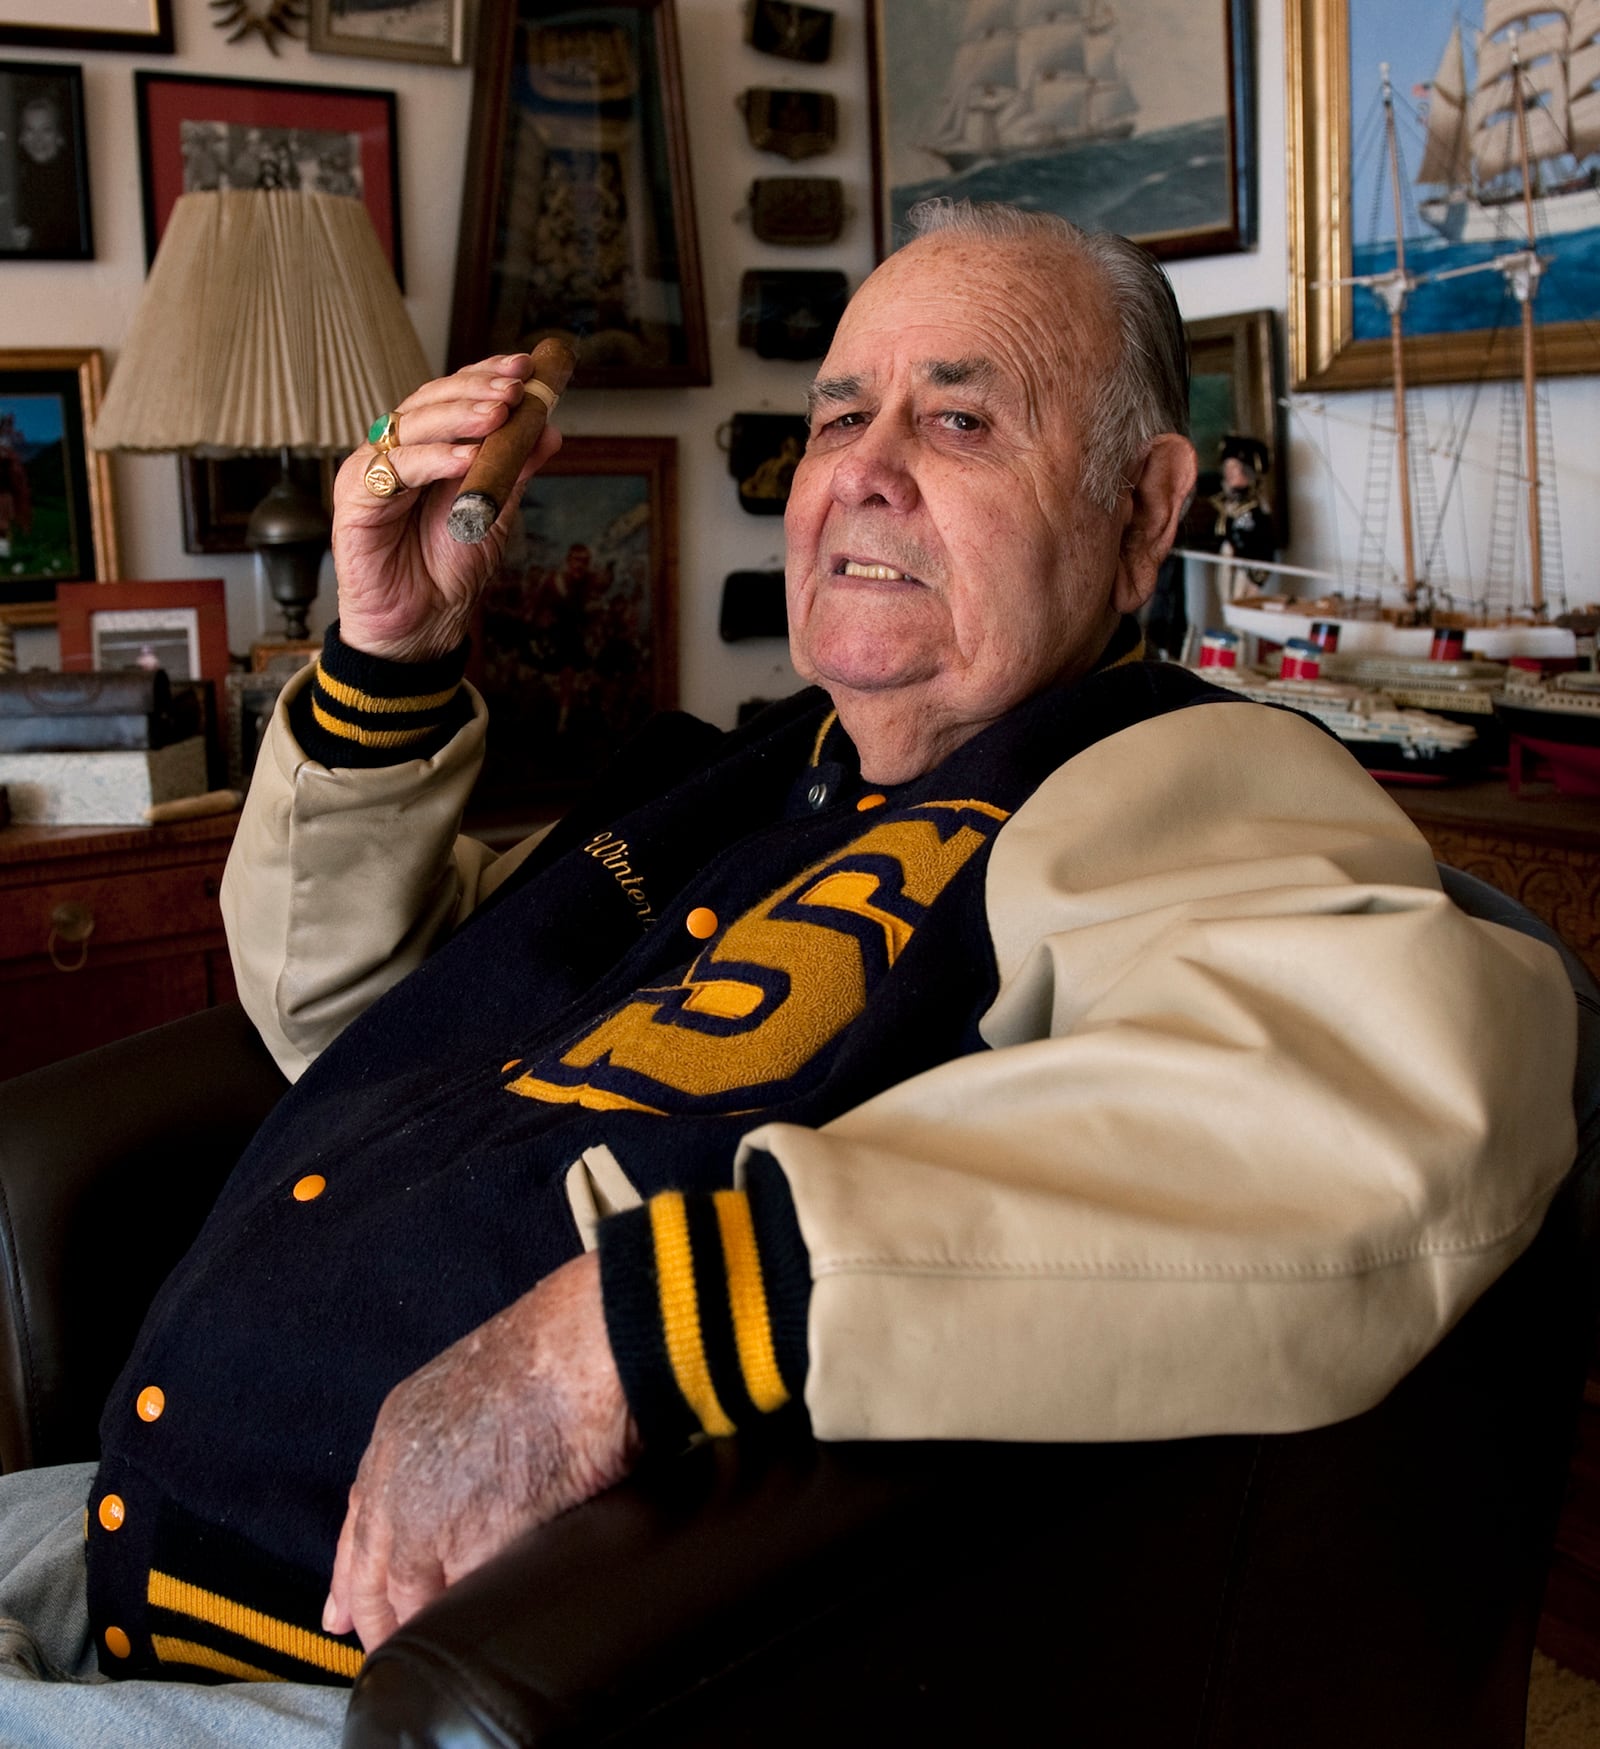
[[576, 644], [56, 522], [1136, 119], [1457, 164]]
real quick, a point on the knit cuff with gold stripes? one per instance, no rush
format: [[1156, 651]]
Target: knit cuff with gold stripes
[[706, 1297], [360, 710]]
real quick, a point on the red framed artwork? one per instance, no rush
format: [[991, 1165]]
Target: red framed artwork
[[197, 132], [181, 626]]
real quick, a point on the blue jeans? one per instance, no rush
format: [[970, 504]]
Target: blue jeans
[[51, 1693]]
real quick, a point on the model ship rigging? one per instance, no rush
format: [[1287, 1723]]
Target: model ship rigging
[[1032, 76], [1483, 150]]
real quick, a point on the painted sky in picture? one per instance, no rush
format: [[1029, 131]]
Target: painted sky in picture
[[1411, 38], [1172, 53]]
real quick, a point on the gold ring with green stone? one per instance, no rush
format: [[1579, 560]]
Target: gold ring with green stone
[[384, 433]]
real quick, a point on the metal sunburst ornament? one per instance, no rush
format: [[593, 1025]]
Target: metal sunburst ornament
[[267, 19]]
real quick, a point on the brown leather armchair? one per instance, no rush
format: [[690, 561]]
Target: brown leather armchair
[[1375, 1583]]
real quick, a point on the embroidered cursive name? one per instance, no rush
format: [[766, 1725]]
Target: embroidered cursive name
[[611, 853]]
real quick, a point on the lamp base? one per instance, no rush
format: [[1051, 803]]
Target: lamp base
[[291, 531]]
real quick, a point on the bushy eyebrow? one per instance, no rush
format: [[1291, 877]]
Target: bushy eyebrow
[[942, 373], [829, 390]]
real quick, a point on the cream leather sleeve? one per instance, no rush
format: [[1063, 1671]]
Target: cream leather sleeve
[[340, 882], [1264, 1114]]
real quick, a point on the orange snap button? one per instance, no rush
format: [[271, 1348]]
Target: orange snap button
[[701, 922], [117, 1643], [152, 1400], [870, 802], [112, 1512], [309, 1188]]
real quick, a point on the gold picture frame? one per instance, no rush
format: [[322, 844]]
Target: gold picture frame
[[49, 397], [1325, 351]]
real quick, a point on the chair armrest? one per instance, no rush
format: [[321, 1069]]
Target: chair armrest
[[109, 1163]]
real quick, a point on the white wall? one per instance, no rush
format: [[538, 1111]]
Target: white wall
[[91, 304]]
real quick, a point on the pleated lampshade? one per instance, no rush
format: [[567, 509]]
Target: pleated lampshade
[[271, 320]]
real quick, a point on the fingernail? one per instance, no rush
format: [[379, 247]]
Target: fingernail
[[487, 406], [463, 449], [506, 382], [329, 1615]]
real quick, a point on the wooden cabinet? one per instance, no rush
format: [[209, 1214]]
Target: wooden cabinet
[[1542, 848], [106, 930]]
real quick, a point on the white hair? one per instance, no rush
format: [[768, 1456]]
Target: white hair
[[1145, 390]]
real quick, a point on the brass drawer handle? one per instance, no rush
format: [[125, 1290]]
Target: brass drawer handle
[[74, 923]]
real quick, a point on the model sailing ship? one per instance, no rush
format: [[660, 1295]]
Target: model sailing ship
[[1030, 77], [1482, 151]]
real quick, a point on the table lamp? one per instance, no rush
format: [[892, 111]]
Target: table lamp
[[270, 321]]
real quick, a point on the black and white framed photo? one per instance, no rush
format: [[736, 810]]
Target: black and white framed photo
[[393, 30], [44, 164]]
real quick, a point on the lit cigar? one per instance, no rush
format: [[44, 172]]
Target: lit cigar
[[493, 474]]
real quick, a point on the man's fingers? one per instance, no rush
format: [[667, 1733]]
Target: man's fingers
[[336, 1617]]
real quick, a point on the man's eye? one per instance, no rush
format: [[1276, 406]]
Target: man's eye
[[963, 422]]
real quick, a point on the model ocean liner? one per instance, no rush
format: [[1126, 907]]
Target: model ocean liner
[[1482, 151], [1030, 77]]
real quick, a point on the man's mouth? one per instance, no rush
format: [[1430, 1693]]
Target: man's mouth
[[874, 573]]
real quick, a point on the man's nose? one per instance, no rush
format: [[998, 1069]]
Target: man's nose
[[878, 466]]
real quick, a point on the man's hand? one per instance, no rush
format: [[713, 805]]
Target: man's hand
[[519, 1420], [406, 588]]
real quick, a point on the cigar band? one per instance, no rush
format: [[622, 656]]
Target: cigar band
[[543, 391]]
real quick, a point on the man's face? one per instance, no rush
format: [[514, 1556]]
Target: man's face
[[1235, 475], [939, 538], [40, 134]]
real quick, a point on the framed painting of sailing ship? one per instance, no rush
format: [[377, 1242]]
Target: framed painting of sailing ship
[[577, 219], [1447, 203], [1137, 118]]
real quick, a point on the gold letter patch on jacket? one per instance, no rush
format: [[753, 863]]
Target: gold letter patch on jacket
[[780, 984]]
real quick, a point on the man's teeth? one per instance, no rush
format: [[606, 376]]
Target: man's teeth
[[878, 573]]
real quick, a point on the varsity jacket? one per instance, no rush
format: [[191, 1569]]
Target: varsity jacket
[[1127, 1076]]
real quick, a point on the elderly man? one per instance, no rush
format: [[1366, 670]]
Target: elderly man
[[1007, 1038]]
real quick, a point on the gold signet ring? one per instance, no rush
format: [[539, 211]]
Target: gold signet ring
[[381, 480]]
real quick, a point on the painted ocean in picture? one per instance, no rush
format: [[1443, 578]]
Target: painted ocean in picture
[[1568, 292], [1173, 180]]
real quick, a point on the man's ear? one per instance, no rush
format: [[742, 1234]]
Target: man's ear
[[1161, 491]]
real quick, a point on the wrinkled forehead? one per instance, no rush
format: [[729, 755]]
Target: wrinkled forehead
[[1033, 313]]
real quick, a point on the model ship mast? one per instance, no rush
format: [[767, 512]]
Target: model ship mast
[[1394, 296], [1522, 275]]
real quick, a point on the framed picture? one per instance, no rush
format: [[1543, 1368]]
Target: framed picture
[[576, 643], [180, 626], [138, 26], [251, 700], [1461, 191], [56, 521], [396, 30], [577, 218], [219, 493], [197, 132], [44, 164], [1138, 119], [1236, 388]]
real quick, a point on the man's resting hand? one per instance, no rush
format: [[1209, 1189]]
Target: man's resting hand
[[519, 1420]]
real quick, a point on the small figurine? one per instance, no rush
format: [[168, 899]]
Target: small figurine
[[1243, 528]]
